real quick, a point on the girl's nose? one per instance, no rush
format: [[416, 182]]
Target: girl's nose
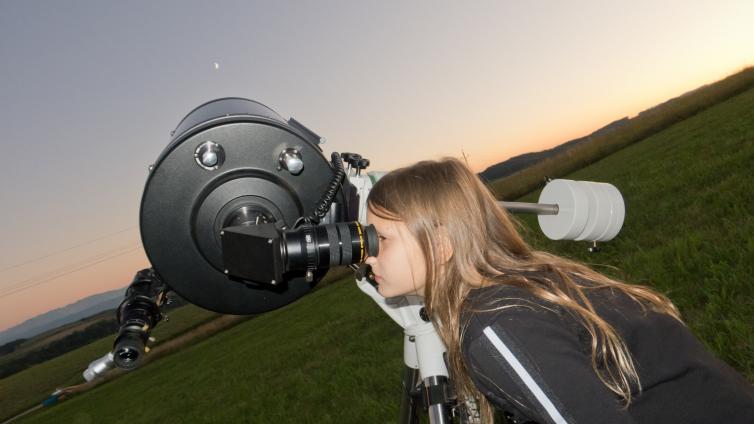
[[370, 260]]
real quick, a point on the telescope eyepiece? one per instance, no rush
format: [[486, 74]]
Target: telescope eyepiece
[[128, 350]]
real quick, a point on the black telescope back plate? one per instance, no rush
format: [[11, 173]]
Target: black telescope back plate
[[184, 205]]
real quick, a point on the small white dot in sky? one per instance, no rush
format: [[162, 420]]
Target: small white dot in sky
[[217, 65]]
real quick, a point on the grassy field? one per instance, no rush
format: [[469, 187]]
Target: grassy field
[[187, 324], [334, 357], [330, 357], [41, 340], [689, 228], [28, 387]]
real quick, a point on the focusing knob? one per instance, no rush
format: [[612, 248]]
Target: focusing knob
[[362, 163], [353, 159], [347, 156]]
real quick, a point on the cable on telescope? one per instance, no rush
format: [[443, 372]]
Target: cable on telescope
[[323, 206]]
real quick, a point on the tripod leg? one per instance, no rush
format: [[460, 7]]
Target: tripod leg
[[437, 393], [411, 401]]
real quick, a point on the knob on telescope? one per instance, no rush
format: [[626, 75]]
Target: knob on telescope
[[350, 158], [362, 163], [98, 367]]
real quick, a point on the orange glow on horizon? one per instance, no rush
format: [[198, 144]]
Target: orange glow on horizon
[[590, 120], [63, 291]]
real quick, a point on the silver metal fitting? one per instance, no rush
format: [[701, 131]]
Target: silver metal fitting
[[209, 155], [290, 160]]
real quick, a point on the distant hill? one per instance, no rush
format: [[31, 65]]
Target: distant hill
[[520, 162], [517, 163], [61, 316]]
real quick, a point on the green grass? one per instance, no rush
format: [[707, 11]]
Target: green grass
[[330, 357], [28, 387], [689, 228], [41, 340], [333, 356]]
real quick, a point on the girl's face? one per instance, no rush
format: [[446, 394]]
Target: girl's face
[[399, 267]]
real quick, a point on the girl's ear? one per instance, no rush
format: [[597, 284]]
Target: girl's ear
[[445, 247]]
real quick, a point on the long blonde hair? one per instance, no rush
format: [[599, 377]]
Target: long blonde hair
[[445, 197]]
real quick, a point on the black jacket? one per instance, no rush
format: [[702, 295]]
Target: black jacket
[[533, 362]]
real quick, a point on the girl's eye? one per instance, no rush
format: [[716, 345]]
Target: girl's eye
[[381, 238]]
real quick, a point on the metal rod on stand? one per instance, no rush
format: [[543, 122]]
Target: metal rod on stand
[[535, 208]]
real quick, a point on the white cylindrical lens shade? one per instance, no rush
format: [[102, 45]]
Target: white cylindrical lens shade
[[586, 210]]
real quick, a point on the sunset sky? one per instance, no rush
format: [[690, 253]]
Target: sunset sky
[[89, 91]]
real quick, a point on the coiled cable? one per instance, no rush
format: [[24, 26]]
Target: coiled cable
[[323, 206]]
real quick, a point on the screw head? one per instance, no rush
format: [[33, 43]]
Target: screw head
[[209, 155], [424, 315], [209, 158], [290, 160]]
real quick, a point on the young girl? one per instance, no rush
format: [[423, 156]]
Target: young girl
[[537, 336]]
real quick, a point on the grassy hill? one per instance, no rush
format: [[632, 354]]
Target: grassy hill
[[28, 387], [188, 324], [41, 340], [604, 143], [334, 357], [689, 227], [331, 357]]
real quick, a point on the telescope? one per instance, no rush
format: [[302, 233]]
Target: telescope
[[242, 213]]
